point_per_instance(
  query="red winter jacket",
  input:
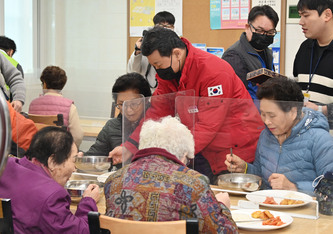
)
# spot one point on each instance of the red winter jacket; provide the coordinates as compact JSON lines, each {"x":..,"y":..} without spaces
{"x":225,"y":115}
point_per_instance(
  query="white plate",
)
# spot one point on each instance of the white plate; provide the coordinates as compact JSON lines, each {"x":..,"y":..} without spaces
{"x":239,"y":215}
{"x":102,"y":178}
{"x":278,"y":195}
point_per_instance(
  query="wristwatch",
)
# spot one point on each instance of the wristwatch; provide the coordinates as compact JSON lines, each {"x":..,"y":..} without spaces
{"x":320,"y":109}
{"x":137,"y":48}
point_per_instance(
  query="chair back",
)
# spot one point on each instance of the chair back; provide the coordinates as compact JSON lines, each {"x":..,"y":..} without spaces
{"x":100,"y":223}
{"x":47,"y":120}
{"x":6,"y":219}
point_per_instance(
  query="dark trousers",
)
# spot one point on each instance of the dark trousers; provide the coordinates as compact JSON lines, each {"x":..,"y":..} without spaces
{"x":201,"y":165}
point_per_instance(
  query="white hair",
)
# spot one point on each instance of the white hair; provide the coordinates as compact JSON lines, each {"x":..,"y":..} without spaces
{"x":168,"y":133}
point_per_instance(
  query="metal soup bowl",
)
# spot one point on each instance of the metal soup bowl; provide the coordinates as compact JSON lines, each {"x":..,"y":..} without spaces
{"x":76,"y":188}
{"x":93,"y":164}
{"x":239,"y":181}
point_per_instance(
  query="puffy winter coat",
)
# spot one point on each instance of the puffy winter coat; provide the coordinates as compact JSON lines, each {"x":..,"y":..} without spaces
{"x":304,"y":155}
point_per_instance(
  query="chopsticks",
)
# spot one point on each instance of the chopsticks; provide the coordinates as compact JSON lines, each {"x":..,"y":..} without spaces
{"x":229,"y":191}
{"x":84,"y":174}
{"x":231,"y":162}
{"x":249,"y":221}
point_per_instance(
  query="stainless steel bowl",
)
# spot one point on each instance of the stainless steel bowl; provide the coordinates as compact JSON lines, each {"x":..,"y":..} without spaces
{"x":93,"y":164}
{"x":239,"y":182}
{"x":76,"y":188}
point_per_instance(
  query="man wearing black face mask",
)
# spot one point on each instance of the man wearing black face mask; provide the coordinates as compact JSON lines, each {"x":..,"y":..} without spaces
{"x":251,"y":51}
{"x":218,"y":105}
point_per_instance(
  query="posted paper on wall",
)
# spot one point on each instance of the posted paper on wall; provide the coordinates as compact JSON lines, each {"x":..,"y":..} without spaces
{"x":142,"y":13}
{"x":228,"y":14}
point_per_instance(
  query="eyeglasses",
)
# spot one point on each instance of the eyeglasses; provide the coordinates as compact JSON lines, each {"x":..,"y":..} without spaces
{"x":271,"y":32}
{"x":131,"y":104}
{"x":169,"y":26}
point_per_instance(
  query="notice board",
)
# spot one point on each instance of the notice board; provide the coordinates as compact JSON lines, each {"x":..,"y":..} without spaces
{"x":196,"y":28}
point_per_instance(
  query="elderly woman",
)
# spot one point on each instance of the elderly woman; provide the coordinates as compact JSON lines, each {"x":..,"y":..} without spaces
{"x":52,"y":102}
{"x":157,"y":185}
{"x":295,"y":147}
{"x":35,"y":185}
{"x":127,"y":87}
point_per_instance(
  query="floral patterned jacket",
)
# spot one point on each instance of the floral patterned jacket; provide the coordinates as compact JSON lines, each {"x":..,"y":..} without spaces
{"x":156,"y":186}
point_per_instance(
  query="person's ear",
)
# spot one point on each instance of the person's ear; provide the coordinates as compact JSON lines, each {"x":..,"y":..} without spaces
{"x":184,"y":159}
{"x":51,"y":163}
{"x":248,"y":32}
{"x":293,"y":112}
{"x":177,"y":52}
{"x":327,"y":14}
{"x":10,"y":53}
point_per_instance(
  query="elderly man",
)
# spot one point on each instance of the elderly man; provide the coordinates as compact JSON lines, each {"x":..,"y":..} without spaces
{"x":157,"y":186}
{"x":251,"y":51}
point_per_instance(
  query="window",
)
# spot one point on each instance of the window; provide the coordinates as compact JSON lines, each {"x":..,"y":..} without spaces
{"x":20,"y":26}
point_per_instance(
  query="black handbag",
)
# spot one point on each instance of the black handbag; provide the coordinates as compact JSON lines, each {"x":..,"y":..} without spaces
{"x":324,"y":193}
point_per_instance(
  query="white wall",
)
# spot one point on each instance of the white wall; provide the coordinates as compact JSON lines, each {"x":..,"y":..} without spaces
{"x":294,"y":38}
{"x":88,"y":39}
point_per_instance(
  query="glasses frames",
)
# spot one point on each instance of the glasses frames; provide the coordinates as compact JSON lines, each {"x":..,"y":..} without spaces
{"x":271,"y":32}
{"x":169,"y":26}
{"x":131,"y":104}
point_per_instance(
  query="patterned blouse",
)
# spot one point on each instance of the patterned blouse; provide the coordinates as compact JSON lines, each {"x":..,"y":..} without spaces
{"x":156,"y":186}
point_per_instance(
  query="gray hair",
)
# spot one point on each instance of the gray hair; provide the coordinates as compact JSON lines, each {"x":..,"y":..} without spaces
{"x":169,"y":134}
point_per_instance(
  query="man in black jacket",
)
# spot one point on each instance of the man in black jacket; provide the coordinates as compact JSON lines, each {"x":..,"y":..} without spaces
{"x":251,"y":51}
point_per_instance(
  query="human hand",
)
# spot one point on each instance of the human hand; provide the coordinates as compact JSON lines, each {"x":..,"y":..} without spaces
{"x":93,"y":192}
{"x":120,"y":154}
{"x":138,"y":46}
{"x":17,"y":105}
{"x":224,"y":198}
{"x":311,"y":105}
{"x":280,"y":181}
{"x":235,"y":163}
{"x":80,"y":154}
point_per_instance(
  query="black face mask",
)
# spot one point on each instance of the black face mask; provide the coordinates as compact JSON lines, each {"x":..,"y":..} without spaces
{"x":261,"y":41}
{"x":168,"y":73}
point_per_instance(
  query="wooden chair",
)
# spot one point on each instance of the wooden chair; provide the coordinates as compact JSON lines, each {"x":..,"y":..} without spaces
{"x":6,"y":219}
{"x":102,"y":224}
{"x":42,"y":121}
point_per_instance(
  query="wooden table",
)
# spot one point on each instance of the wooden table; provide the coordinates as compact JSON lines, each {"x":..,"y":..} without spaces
{"x":323,"y":225}
{"x":300,"y":225}
{"x":75,"y":201}
{"x":92,"y":126}
{"x":100,"y":205}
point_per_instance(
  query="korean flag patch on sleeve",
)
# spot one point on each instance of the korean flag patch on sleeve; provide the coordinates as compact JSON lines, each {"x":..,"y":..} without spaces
{"x":215,"y":90}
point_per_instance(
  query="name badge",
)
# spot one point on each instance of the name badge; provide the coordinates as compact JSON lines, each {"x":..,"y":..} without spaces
{"x":306,"y":97}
